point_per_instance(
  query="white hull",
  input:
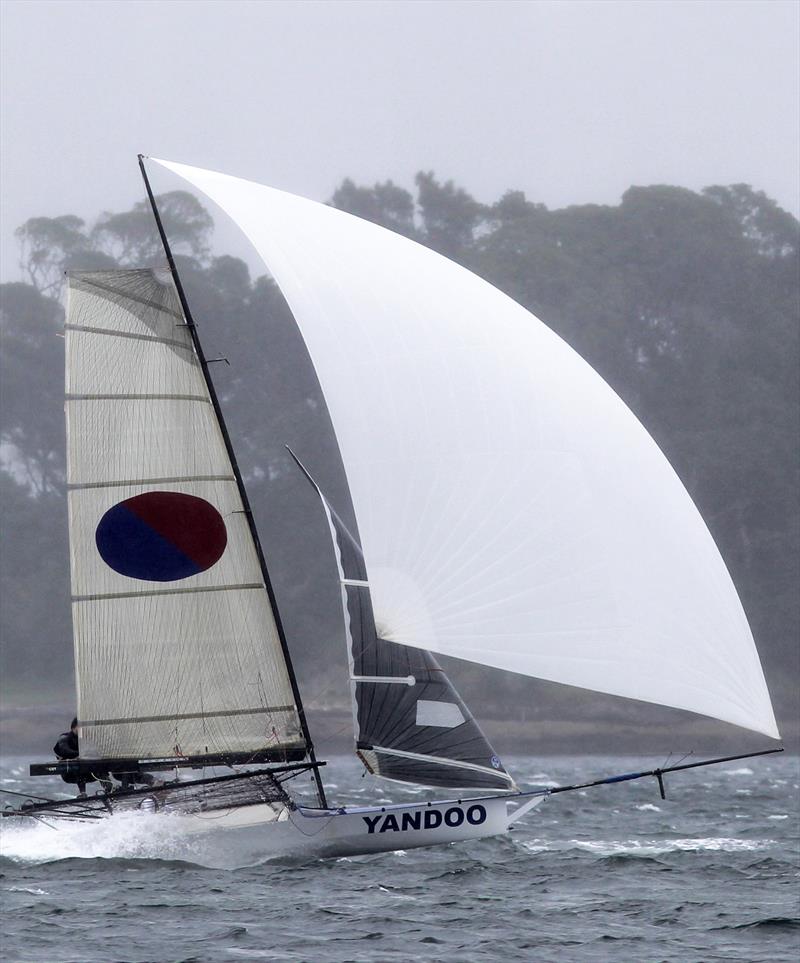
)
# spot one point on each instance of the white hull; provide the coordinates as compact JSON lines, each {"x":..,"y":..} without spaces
{"x":388,"y":828}
{"x":249,"y":835}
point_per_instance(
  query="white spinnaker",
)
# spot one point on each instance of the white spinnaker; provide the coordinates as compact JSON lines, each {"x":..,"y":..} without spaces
{"x":191,"y":666}
{"x":511,"y":508}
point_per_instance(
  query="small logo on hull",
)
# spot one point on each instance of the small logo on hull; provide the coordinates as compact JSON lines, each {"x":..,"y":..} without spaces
{"x":421,"y":819}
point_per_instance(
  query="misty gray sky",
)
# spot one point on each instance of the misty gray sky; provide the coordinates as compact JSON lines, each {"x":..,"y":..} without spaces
{"x":571,"y":102}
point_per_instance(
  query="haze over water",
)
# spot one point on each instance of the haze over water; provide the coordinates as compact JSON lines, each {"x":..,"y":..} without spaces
{"x":570,"y":102}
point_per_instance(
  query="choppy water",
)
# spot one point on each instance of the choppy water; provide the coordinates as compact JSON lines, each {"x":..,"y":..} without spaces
{"x":614,"y":873}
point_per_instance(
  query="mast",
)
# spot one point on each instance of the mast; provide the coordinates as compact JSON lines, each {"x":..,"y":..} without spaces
{"x":238,"y":476}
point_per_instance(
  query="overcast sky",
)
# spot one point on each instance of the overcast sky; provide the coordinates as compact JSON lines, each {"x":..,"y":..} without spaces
{"x":571,"y":102}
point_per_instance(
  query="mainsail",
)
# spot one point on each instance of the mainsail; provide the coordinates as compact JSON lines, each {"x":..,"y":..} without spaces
{"x":177,"y":651}
{"x":512,"y":510}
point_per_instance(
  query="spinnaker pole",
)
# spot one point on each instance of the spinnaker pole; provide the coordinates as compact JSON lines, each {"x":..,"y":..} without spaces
{"x":659,"y":774}
{"x":238,"y":476}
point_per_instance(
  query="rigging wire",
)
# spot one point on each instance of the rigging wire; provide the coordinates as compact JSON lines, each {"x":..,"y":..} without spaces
{"x":30,"y":795}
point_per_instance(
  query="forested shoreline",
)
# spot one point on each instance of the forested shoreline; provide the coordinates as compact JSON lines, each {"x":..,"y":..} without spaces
{"x":686,"y":303}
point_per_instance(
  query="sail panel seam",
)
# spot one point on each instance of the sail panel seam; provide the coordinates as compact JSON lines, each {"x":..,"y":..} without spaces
{"x":167,"y":480}
{"x":89,"y":329}
{"x":187,"y":715}
{"x":136,"y":397}
{"x":175,"y":591}
{"x":77,"y":281}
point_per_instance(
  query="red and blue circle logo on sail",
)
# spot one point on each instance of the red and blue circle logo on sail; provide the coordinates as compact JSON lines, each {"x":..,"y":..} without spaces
{"x":161,"y":536}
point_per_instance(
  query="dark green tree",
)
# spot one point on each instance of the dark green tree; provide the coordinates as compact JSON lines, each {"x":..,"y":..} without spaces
{"x":131,"y":237}
{"x":384,"y":204}
{"x":686,"y":303}
{"x":450,"y":216}
{"x":45,"y":245}
{"x":32,"y":388}
{"x":772,"y":231}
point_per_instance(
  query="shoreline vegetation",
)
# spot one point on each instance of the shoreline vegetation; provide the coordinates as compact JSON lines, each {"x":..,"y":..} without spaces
{"x":685,"y":302}
{"x":32,"y":729}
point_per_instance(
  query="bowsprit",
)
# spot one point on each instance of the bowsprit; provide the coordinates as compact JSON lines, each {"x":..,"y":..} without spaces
{"x":428,"y":818}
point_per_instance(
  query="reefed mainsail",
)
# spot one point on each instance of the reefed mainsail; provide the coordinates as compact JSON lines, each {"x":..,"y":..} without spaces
{"x":511,"y":508}
{"x":177,"y":651}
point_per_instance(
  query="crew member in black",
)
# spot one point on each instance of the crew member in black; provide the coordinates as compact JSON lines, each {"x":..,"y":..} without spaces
{"x":67,"y":748}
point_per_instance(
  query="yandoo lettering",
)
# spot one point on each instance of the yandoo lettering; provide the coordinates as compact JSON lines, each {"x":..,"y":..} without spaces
{"x":424,"y":819}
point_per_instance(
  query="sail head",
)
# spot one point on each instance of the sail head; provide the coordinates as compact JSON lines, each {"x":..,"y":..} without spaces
{"x":177,"y":651}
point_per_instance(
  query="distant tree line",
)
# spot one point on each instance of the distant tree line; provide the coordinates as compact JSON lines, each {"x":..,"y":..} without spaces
{"x":686,"y":303}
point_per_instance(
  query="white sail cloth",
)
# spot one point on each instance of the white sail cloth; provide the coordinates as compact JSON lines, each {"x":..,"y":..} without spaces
{"x":173,"y":656}
{"x":511,"y":508}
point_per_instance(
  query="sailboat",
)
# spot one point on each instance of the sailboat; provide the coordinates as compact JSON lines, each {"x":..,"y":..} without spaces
{"x":510,"y":510}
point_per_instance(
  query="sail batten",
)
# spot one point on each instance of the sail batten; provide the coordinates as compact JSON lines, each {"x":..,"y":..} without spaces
{"x":173,"y":591}
{"x":172,"y":342}
{"x":206,"y":714}
{"x":167,"y":480}
{"x":502,"y":490}
{"x":138,"y":397}
{"x":177,"y":650}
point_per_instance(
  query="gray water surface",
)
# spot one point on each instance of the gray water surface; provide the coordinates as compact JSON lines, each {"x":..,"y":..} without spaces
{"x":607,"y":874}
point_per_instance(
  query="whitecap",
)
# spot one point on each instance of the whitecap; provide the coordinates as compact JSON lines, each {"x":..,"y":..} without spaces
{"x":534,"y":845}
{"x":391,"y":893}
{"x":778,"y":816}
{"x":653,"y":847}
{"x":744,"y":771}
{"x":648,"y":808}
{"x":28,"y":889}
